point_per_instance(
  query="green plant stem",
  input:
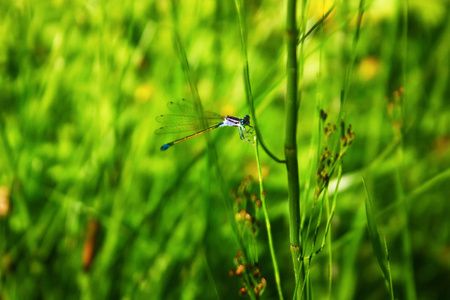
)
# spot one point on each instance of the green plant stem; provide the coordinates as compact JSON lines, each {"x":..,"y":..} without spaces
{"x":268,"y":227}
{"x":409,"y":284}
{"x":185,"y":62}
{"x":291,"y":133}
{"x":391,"y":288}
{"x":316,"y":25}
{"x":354,"y":51}
{"x":211,"y":150}
{"x":248,"y":87}
{"x":374,"y":235}
{"x":258,"y":140}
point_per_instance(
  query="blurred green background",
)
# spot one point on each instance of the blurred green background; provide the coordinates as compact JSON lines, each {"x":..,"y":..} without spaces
{"x":91,"y":208}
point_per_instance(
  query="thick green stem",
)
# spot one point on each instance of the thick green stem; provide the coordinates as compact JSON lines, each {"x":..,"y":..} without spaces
{"x":291,"y":132}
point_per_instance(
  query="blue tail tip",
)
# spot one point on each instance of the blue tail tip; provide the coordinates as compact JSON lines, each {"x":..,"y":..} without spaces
{"x":165,"y":147}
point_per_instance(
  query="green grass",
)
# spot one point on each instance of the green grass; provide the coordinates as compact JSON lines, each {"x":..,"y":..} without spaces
{"x":81,"y":171}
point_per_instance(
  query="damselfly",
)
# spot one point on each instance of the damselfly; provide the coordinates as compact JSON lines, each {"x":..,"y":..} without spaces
{"x":191,"y":121}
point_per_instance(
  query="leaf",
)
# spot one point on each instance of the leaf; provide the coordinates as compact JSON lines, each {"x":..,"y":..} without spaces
{"x":374,"y":236}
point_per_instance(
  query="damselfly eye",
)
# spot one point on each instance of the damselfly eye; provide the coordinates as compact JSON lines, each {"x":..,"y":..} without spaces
{"x":246,"y":120}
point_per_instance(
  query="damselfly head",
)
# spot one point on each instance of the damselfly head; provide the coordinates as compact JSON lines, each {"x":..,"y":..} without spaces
{"x":246,"y":120}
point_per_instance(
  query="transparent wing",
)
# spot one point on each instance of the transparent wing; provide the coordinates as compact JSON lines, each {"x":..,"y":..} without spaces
{"x":189,"y":118}
{"x":187,"y":107}
{"x":179,"y":128}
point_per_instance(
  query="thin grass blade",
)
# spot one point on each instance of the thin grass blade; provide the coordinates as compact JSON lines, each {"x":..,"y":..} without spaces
{"x":391,"y":288}
{"x":374,"y":236}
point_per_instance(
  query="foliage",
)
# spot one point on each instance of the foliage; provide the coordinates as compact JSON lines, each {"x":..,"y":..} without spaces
{"x":91,"y":207}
